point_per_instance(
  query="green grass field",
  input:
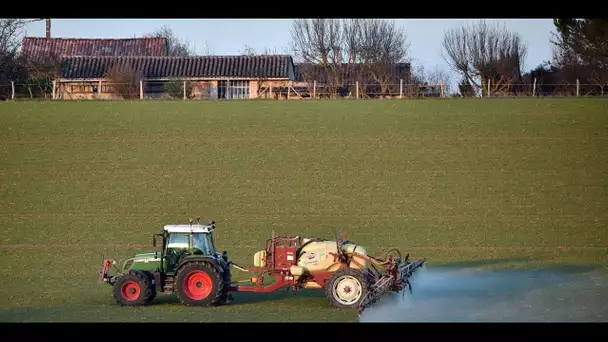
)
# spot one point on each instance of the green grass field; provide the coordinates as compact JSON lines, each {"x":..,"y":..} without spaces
{"x":521,"y":181}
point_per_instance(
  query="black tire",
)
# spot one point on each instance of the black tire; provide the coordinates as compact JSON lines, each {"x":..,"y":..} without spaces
{"x":202,"y":278}
{"x":347,"y":278}
{"x":152,"y":297}
{"x":153,"y":283}
{"x":133,"y":289}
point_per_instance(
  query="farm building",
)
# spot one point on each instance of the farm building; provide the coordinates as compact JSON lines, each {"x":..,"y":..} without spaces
{"x":205,"y":77}
{"x":87,"y":69}
{"x":381,"y":81}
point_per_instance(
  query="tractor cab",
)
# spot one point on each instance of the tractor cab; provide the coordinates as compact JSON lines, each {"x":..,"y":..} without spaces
{"x":183,"y":240}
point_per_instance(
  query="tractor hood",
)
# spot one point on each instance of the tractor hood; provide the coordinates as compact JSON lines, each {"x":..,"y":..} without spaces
{"x":146,"y":257}
{"x":142,"y":261}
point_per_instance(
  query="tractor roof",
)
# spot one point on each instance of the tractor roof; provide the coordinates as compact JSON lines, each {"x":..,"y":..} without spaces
{"x":187,"y":228}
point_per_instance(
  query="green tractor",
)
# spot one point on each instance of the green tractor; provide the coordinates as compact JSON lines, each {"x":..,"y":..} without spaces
{"x":188,"y":265}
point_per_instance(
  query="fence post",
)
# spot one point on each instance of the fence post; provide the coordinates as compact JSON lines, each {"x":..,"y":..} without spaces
{"x":12,"y":90}
{"x":141,"y":89}
{"x":357,"y":89}
{"x":314,"y":89}
{"x":53,"y":91}
{"x":99,"y":90}
{"x":401,"y":88}
{"x":489,"y":80}
{"x":441,"y":89}
{"x":185,"y":90}
{"x":534,"y":88}
{"x":577,"y":87}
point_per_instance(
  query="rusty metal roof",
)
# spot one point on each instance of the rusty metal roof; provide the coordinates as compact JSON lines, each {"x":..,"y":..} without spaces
{"x":37,"y":48}
{"x":269,"y":66}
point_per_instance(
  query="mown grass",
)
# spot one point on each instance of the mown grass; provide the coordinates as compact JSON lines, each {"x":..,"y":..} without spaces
{"x":455,"y":181}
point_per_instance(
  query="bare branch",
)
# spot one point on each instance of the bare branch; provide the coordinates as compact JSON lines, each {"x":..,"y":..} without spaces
{"x":208,"y":49}
{"x":176,"y":47}
{"x":383,"y":45}
{"x":338,"y":52}
{"x":482,"y":52}
{"x":248,"y":51}
{"x":11,"y":31}
{"x":317,"y":43}
{"x":125,"y":80}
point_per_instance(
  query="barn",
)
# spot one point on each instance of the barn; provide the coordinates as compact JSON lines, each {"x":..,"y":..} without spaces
{"x":194,"y":77}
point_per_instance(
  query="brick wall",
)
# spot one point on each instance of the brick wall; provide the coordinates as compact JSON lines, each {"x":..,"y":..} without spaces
{"x":202,"y":90}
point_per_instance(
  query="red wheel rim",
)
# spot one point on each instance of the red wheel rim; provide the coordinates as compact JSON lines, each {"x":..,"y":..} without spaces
{"x":197,"y":285}
{"x":130,"y":290}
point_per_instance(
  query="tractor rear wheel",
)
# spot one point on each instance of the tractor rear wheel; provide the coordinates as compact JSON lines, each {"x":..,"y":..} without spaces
{"x":133,"y":289}
{"x":346,"y":288}
{"x":199,"y":284}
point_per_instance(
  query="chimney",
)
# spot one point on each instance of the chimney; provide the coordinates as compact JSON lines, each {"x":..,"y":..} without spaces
{"x":48,"y":28}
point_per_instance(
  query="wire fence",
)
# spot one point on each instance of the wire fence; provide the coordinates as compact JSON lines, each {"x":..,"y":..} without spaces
{"x":279,"y":90}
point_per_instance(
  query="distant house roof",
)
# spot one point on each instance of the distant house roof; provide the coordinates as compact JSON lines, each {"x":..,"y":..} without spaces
{"x":37,"y":49}
{"x":269,"y":66}
{"x":351,"y":72}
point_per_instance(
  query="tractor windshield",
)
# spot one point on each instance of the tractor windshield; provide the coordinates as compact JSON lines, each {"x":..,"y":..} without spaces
{"x":202,"y":243}
{"x":178,"y":241}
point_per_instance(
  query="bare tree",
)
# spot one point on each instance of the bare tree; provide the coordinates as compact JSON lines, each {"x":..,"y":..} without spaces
{"x":465,"y":88}
{"x":12,"y":68}
{"x":440,"y":76}
{"x":11,"y":31}
{"x":568,"y":65}
{"x":436,"y":77}
{"x":318,"y":43}
{"x":175,"y":46}
{"x":337,"y":52}
{"x":317,"y":40}
{"x":251,"y":51}
{"x":125,"y":80}
{"x":482,"y":52}
{"x":383,"y":45}
{"x":419,"y":80}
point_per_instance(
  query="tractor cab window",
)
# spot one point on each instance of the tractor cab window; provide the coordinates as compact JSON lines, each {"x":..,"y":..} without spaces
{"x":177,"y":242}
{"x":202,"y":243}
{"x":177,"y":245}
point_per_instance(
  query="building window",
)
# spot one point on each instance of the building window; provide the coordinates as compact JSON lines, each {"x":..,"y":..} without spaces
{"x":233,"y":89}
{"x":155,"y":87}
{"x":239,"y":89}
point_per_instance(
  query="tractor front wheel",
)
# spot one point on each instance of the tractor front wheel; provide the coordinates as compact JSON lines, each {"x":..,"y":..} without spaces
{"x":346,"y":288}
{"x":199,"y":284}
{"x":133,"y":289}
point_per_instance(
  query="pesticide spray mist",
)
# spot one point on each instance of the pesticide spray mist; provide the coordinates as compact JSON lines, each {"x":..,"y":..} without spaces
{"x":444,"y":294}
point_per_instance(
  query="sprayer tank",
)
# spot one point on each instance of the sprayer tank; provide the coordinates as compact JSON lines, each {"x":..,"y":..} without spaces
{"x":320,"y":256}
